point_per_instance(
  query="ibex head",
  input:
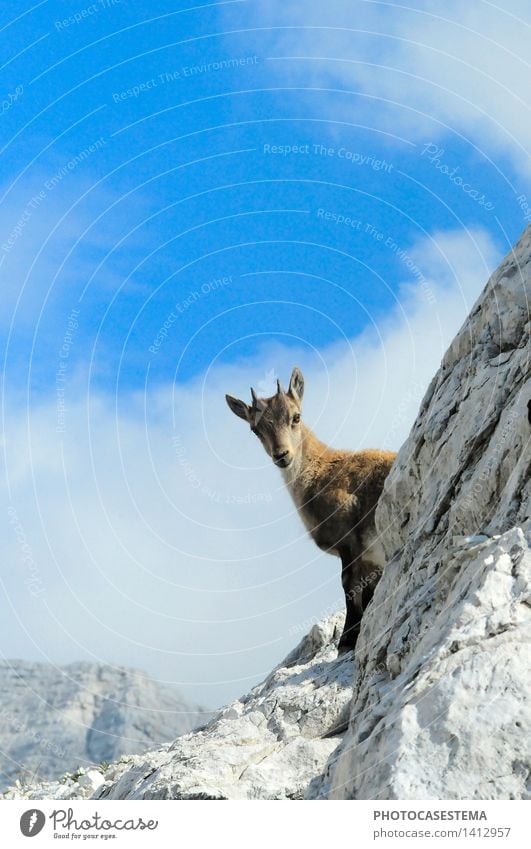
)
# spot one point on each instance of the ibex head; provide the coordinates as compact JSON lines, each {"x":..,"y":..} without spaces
{"x":277,"y":420}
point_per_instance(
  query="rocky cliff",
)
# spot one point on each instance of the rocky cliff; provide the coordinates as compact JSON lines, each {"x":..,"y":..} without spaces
{"x":442,"y":692}
{"x":54,"y":719}
{"x":436,"y":702}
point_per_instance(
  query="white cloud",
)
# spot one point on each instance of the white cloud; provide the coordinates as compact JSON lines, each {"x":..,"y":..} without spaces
{"x":426,"y":67}
{"x":156,"y":533}
{"x":52,"y":236}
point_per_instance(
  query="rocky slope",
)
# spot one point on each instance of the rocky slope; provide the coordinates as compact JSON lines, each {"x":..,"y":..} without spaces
{"x":440,"y":683}
{"x":267,"y":745}
{"x":441,"y":706}
{"x":54,"y":719}
{"x":442,"y":692}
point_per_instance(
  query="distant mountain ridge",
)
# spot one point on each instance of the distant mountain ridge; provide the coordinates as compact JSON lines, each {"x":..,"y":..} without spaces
{"x":54,"y":719}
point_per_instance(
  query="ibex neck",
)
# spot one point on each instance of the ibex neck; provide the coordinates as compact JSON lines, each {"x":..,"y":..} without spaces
{"x":312,"y":447}
{"x":310,"y":457}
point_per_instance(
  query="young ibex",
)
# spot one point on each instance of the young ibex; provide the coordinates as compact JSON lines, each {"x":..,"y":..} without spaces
{"x":335,"y":492}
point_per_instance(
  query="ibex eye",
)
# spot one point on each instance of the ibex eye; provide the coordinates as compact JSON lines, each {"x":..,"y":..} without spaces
{"x":296,"y":419}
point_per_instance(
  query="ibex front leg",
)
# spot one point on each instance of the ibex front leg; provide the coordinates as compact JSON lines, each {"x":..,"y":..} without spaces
{"x":358,"y":592}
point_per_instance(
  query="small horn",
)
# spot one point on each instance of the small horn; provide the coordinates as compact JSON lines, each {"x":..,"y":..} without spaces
{"x":253,"y":396}
{"x":279,"y":388}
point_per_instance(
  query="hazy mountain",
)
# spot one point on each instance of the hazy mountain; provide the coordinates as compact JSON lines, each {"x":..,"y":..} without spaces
{"x":54,"y":719}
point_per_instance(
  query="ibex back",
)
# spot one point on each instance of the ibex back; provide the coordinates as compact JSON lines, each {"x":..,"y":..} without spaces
{"x":335,"y":492}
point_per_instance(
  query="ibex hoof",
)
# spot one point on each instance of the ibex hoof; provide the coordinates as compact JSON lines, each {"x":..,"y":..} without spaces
{"x":344,"y":648}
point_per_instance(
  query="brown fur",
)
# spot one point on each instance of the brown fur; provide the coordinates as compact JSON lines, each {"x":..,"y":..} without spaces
{"x":335,"y":492}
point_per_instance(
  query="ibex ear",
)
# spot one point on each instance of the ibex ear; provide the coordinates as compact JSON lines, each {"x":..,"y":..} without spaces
{"x":296,"y":384}
{"x":239,"y":408}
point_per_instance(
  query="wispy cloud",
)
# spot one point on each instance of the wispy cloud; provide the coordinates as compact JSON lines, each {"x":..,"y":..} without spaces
{"x":418,"y":68}
{"x":60,"y":233}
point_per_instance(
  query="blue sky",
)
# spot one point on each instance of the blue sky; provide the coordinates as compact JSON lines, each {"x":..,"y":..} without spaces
{"x":194,"y":199}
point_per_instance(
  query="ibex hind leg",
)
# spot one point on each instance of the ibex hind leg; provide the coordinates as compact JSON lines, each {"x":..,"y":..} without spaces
{"x":358,"y":586}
